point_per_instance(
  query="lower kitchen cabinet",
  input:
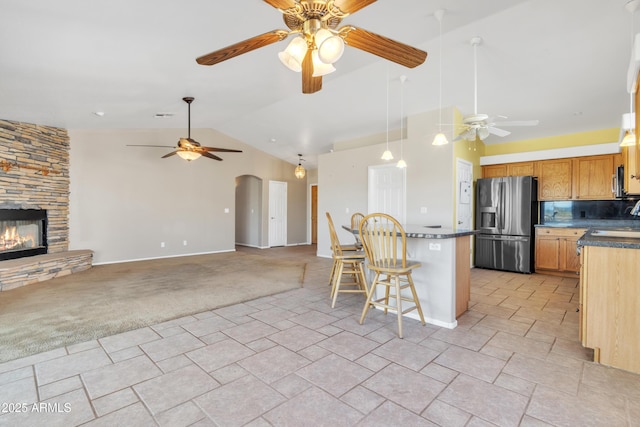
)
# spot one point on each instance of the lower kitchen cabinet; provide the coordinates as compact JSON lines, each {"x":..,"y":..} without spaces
{"x":609,"y":303}
{"x":556,"y":251}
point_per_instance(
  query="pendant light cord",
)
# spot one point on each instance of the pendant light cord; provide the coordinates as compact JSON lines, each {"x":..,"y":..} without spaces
{"x":440,"y":71}
{"x":402,"y":80}
{"x":387,"y":108}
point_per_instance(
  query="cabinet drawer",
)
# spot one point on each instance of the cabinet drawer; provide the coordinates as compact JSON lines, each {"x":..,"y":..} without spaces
{"x":560,"y":232}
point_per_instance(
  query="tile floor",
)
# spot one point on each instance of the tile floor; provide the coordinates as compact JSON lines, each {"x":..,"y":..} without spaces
{"x":291,"y":360}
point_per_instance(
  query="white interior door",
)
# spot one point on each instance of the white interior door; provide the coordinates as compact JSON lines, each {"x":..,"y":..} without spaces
{"x":387,"y":184}
{"x":277,"y":213}
{"x":464,"y":194}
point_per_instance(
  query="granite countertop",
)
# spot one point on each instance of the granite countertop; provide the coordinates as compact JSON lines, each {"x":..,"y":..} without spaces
{"x":593,"y":238}
{"x":429,"y":232}
{"x":433,"y":232}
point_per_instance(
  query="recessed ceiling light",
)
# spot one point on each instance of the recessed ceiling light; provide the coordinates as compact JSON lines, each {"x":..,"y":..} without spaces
{"x":272,"y":140}
{"x":99,"y":113}
{"x":577,"y":113}
{"x":163,"y":115}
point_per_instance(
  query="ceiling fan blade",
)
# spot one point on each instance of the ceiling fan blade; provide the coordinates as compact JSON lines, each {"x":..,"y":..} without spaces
{"x":242,"y":47}
{"x":498,"y":132}
{"x":170,"y":154}
{"x":310,"y":84}
{"x":351,"y":6}
{"x":281,"y":4}
{"x":141,"y":145}
{"x":383,"y":47}
{"x":211,"y":156}
{"x":221,"y":150}
{"x":519,"y":123}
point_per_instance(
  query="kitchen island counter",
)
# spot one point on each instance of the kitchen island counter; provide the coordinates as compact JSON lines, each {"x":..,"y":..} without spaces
{"x":609,"y":297}
{"x":624,"y":238}
{"x":443,"y":282}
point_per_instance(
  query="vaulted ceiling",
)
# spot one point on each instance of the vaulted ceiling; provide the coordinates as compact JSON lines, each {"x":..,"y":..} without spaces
{"x":561,"y":62}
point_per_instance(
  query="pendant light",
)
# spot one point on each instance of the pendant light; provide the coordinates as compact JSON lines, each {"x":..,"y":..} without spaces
{"x":387,"y":153}
{"x":629,"y":119}
{"x":401,"y":163}
{"x":440,"y":138}
{"x":299,"y":171}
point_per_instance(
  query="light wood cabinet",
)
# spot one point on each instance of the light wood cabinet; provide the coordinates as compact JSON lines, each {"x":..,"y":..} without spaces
{"x":580,"y":178}
{"x":556,"y":251}
{"x":609,"y":304}
{"x":509,"y":169}
{"x":631,"y":170}
{"x":521,"y":169}
{"x":555,"y":179}
{"x":594,"y":177}
{"x":494,"y":171}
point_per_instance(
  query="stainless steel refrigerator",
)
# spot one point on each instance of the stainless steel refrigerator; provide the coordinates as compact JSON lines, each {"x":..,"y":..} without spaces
{"x":506,"y":211}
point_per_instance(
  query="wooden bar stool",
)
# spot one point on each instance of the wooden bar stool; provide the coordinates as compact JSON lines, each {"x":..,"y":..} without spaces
{"x":346,"y":265}
{"x":356,"y":219}
{"x":385,"y":245}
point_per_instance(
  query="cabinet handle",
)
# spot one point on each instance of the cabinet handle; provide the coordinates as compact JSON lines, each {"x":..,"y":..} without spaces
{"x":614,"y":183}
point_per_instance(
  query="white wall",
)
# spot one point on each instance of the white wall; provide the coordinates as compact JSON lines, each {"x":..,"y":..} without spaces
{"x":342,"y":179}
{"x":125,"y":201}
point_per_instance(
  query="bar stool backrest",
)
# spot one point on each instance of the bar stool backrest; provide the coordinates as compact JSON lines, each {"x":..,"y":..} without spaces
{"x":384,"y":241}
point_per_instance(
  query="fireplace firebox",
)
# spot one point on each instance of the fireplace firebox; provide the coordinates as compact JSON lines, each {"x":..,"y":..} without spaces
{"x":23,"y":233}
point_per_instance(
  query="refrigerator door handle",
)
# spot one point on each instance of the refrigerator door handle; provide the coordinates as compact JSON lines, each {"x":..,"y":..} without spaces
{"x":501,"y":206}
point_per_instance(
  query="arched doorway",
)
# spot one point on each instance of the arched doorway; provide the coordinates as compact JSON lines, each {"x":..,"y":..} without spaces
{"x":249,"y":211}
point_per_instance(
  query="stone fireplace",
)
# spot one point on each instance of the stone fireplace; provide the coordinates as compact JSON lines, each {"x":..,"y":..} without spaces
{"x":34,"y":177}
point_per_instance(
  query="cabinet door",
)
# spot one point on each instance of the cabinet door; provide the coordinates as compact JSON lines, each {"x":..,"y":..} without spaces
{"x":554,"y":179}
{"x":571,"y":257}
{"x":594,"y":177}
{"x":494,"y":171}
{"x":631,"y":172}
{"x":521,"y":169}
{"x":547,"y":253}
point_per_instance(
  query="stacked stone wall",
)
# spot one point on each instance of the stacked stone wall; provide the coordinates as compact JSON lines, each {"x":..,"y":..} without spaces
{"x":34,"y":174}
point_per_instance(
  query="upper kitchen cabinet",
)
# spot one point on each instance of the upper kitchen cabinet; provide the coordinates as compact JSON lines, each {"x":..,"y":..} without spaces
{"x":594,"y":177}
{"x":522,"y":169}
{"x":555,"y":179}
{"x":509,"y":169}
{"x":631,"y":172}
{"x":494,"y":171}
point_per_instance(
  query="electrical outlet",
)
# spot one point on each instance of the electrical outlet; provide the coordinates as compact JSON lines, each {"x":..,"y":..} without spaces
{"x":226,"y":210}
{"x":162,"y":244}
{"x":435,"y":247}
{"x":423,"y":210}
{"x":184,"y":243}
{"x":347,"y":210}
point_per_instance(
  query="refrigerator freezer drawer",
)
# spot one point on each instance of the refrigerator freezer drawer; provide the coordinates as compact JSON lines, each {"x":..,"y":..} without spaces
{"x":508,"y":253}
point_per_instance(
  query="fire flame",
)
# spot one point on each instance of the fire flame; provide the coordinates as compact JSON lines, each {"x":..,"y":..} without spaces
{"x":11,"y":239}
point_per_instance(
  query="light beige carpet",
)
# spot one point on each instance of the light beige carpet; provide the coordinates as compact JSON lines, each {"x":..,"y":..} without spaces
{"x":108,"y":299}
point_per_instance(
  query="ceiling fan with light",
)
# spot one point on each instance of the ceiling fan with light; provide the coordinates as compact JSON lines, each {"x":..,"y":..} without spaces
{"x":482,"y":125}
{"x":188,"y":148}
{"x":319,"y":43}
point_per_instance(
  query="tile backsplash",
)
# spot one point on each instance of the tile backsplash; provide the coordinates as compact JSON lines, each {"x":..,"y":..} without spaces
{"x":576,"y":210}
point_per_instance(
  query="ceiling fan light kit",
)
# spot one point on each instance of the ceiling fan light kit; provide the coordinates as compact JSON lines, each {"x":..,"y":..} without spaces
{"x":319,"y":42}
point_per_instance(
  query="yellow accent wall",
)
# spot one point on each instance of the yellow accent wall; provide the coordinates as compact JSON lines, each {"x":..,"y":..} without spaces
{"x":602,"y":136}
